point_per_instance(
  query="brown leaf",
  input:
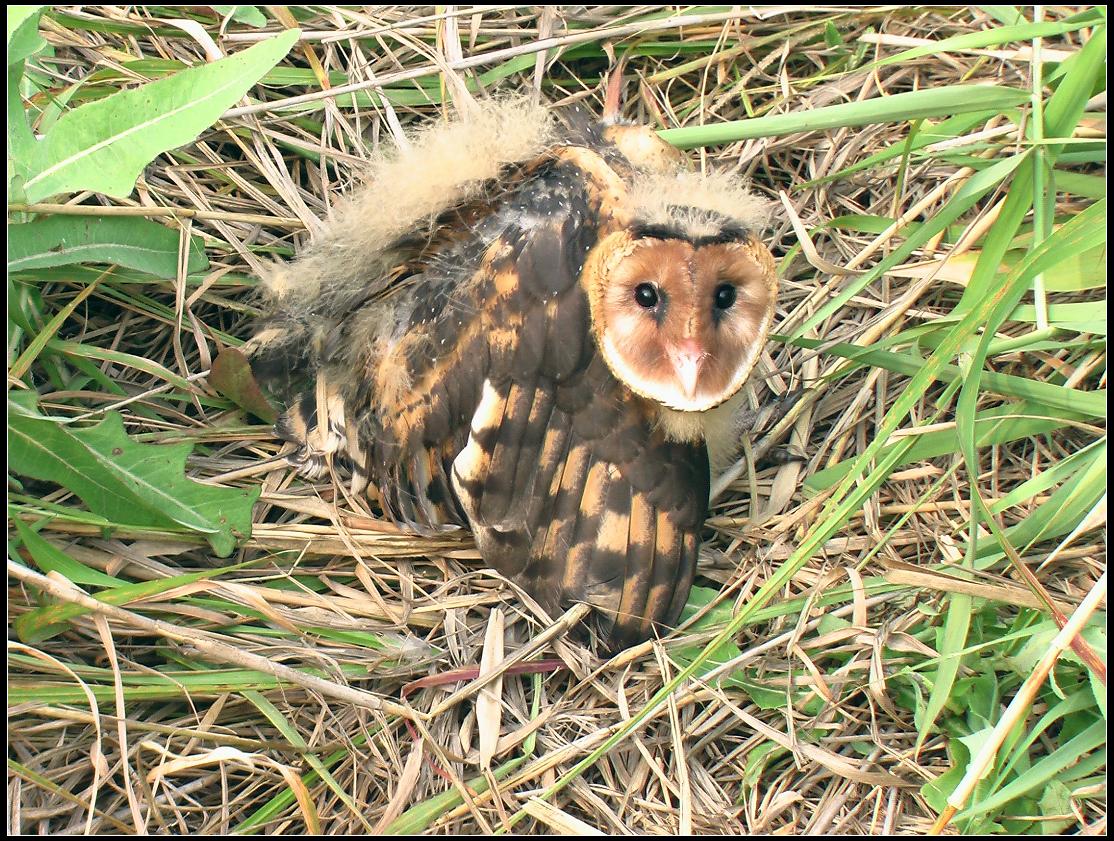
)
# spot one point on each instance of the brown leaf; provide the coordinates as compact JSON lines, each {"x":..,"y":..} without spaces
{"x":231,"y":376}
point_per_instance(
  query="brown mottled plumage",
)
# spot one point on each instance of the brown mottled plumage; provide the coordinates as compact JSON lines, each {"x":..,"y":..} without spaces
{"x":533,"y":344}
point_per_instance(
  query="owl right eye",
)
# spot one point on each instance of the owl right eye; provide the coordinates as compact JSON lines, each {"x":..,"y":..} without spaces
{"x":646,"y":295}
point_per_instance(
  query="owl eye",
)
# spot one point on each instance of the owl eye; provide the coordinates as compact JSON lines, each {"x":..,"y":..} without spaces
{"x":724,"y":296}
{"x":646,"y":295}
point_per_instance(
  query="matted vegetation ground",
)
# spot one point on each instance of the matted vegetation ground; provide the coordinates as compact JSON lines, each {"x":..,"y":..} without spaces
{"x":865,"y":613}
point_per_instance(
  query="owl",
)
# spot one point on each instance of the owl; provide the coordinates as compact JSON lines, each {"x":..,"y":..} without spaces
{"x":535,"y":327}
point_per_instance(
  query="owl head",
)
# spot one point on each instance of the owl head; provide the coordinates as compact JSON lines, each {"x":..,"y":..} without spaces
{"x":682,"y":297}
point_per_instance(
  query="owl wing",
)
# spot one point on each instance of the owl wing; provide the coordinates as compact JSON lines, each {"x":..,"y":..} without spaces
{"x":569,"y":488}
{"x":574,"y":497}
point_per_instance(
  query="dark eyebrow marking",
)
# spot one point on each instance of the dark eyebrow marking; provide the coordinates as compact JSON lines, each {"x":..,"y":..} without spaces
{"x":647,"y":231}
{"x":729,"y":233}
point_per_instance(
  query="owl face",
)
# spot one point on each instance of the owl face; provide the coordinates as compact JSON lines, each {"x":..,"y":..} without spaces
{"x":679,"y":319}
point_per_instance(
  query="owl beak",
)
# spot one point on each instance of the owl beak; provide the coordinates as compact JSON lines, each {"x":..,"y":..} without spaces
{"x":687,"y":357}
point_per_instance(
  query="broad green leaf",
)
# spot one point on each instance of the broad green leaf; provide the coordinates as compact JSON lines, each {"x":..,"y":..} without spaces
{"x":23,"y":32}
{"x":1083,"y":312}
{"x":21,"y":141}
{"x":1009,"y":15}
{"x":104,"y":145}
{"x":931,"y":102}
{"x":758,"y":758}
{"x":1056,"y":801}
{"x":935,"y":792}
{"x":1080,"y":184}
{"x":130,"y":483}
{"x":243,"y":14}
{"x":128,"y":241}
{"x":953,"y":637}
{"x":120,"y":275}
{"x":1072,"y":272}
{"x":1074,"y":752}
{"x":1069,"y":100}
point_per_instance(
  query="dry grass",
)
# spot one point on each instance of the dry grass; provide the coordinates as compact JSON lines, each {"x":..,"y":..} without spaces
{"x":339,"y":597}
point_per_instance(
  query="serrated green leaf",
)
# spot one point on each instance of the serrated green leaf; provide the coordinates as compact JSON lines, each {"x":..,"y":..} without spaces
{"x":23,"y":32}
{"x":130,"y":483}
{"x":104,"y":145}
{"x":132,"y":242}
{"x":1098,"y":689}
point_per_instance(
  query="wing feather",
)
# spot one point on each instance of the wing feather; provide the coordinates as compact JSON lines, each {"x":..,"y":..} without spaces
{"x":641,"y":548}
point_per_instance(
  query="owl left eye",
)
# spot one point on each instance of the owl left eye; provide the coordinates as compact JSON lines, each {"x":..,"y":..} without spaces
{"x":724,"y":296}
{"x":646,"y":295}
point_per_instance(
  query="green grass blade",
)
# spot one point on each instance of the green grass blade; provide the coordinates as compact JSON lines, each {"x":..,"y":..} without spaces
{"x":291,"y":735}
{"x":901,"y":107}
